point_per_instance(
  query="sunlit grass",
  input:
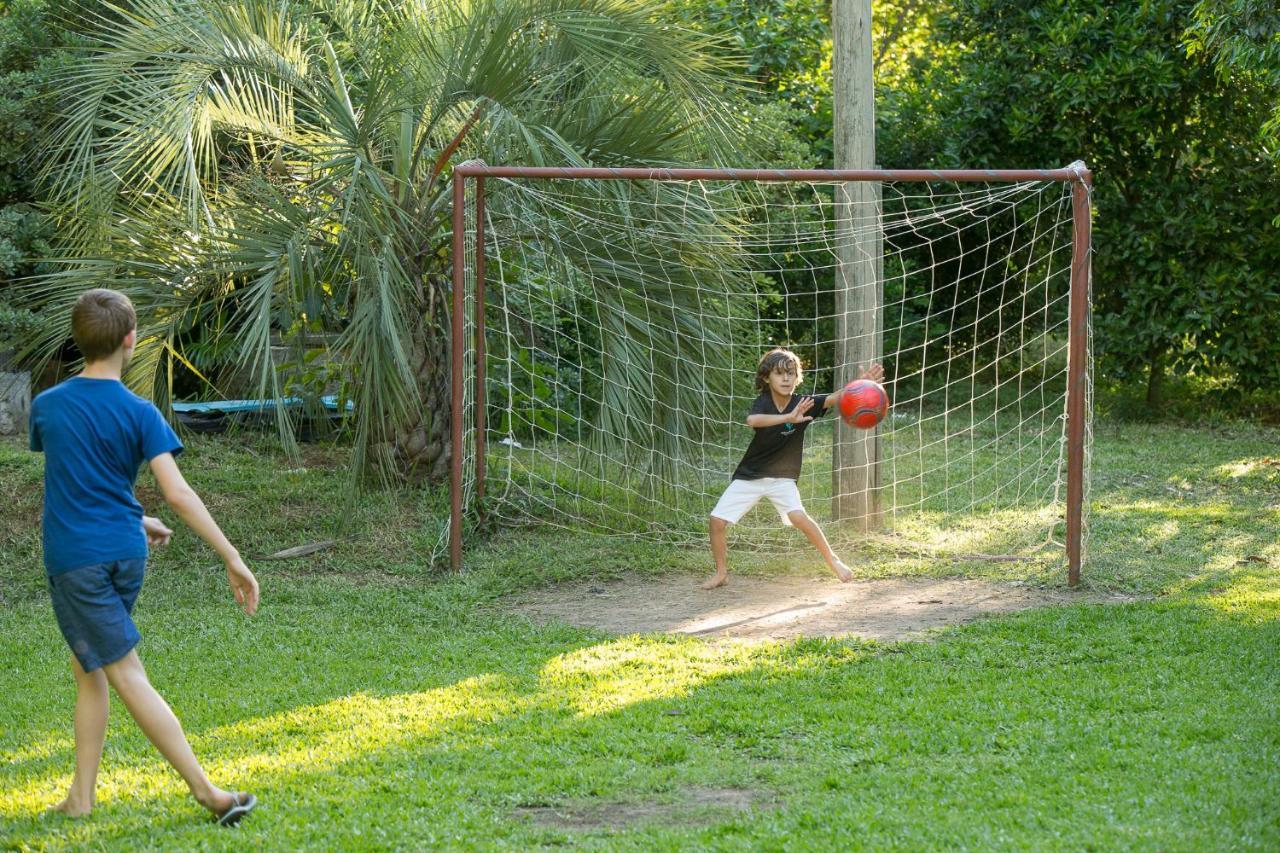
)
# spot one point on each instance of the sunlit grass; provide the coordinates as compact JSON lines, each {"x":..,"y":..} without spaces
{"x":1266,"y":469}
{"x":374,"y":703}
{"x":607,"y":677}
{"x":1252,"y":598}
{"x":991,"y":734}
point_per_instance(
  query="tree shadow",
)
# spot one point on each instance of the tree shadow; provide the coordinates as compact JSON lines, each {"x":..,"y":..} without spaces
{"x":1046,"y":727}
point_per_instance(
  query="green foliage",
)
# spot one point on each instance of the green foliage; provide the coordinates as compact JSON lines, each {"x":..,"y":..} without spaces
{"x":25,"y":235}
{"x":1186,"y":252}
{"x":16,"y":326}
{"x":30,"y":57}
{"x":1243,"y":37}
{"x":28,"y":60}
{"x":1183,"y":271}
{"x":786,"y":47}
{"x":530,"y":397}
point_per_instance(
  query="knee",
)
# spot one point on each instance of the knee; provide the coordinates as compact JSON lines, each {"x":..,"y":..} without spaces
{"x":95,"y":680}
{"x":798,"y":517}
{"x":126,"y":674}
{"x":718,"y":525}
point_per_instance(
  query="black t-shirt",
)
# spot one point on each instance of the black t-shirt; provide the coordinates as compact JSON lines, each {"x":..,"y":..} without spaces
{"x":776,"y":451}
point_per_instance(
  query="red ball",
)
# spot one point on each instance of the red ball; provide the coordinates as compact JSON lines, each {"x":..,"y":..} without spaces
{"x":864,"y":403}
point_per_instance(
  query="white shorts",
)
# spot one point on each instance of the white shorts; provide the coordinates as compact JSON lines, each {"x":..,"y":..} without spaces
{"x":742,"y":495}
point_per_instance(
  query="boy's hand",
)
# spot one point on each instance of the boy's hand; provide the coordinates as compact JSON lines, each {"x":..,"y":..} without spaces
{"x":243,"y":584}
{"x":797,"y":415}
{"x":157,"y":533}
{"x":875,"y":373}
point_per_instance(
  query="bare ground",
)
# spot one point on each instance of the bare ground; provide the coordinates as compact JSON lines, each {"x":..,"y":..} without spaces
{"x":691,"y":807}
{"x":776,"y":608}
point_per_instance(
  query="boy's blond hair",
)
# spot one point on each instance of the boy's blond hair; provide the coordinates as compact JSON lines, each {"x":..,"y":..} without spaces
{"x":774,"y":359}
{"x":100,"y":321}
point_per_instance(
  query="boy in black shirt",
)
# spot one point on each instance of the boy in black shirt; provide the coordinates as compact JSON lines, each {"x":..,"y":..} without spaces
{"x":771,"y":465}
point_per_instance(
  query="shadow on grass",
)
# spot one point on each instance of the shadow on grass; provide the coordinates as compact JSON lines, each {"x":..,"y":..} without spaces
{"x":1049,"y":727}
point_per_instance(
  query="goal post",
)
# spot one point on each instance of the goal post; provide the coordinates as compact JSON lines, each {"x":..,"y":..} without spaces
{"x":855,"y":466}
{"x":674,"y":276}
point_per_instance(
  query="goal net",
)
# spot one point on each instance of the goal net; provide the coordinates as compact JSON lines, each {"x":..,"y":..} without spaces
{"x":605,"y":382}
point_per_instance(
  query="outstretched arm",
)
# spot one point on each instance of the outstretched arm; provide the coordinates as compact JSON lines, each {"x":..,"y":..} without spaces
{"x":183,"y":500}
{"x":798,"y":415}
{"x":875,"y":373}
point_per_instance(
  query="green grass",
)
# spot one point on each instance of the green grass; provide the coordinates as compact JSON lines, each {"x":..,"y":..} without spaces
{"x":943,"y":501}
{"x":375,"y":702}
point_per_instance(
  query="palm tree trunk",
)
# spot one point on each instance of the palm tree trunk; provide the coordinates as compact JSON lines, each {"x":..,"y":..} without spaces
{"x":422,"y":449}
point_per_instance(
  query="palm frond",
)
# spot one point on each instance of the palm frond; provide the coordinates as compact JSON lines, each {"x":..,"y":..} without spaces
{"x":242,"y":160}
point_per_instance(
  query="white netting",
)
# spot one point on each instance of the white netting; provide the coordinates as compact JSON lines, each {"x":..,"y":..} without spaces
{"x":625,"y":320}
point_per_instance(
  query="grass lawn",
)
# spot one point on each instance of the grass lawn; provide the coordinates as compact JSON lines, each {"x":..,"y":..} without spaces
{"x":376,"y":703}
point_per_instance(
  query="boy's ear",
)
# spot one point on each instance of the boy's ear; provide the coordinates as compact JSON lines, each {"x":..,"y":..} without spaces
{"x":130,"y":340}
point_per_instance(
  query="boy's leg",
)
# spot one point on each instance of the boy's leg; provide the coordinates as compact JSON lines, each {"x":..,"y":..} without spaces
{"x":158,"y":723}
{"x":737,"y":501}
{"x":719,"y":553}
{"x":92,"y":705}
{"x":801,"y":520}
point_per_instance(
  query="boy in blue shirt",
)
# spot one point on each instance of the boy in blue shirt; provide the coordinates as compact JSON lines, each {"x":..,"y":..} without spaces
{"x":95,"y":434}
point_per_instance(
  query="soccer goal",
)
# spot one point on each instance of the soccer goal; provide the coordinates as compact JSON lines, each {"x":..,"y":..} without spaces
{"x":607,"y":324}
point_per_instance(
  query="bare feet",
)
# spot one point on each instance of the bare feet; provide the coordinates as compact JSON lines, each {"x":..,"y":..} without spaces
{"x":217,"y":800}
{"x":70,"y":807}
{"x":842,"y":571}
{"x":720,"y":578}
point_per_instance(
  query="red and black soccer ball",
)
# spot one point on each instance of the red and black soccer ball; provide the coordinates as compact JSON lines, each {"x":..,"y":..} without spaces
{"x":864,"y":403}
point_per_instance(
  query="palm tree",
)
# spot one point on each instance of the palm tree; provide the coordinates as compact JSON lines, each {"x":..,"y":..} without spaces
{"x":268,"y":166}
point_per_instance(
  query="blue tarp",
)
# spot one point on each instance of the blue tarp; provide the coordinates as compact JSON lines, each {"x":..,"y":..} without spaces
{"x":229,"y":407}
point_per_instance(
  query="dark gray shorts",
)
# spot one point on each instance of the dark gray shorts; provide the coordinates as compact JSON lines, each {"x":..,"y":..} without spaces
{"x":93,"y":605}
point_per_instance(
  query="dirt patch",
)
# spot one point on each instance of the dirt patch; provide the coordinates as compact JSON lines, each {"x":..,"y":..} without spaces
{"x":755,"y":608}
{"x":690,"y":807}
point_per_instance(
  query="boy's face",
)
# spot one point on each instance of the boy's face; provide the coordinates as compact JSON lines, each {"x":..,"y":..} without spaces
{"x":783,"y":381}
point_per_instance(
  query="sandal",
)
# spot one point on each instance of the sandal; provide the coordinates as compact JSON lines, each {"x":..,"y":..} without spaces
{"x":241,"y":805}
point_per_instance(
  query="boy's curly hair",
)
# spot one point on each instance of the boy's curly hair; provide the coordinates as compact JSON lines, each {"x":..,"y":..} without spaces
{"x":785,"y":359}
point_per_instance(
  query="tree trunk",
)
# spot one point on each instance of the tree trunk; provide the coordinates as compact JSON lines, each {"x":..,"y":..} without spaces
{"x":855,"y":474}
{"x":1155,"y":379}
{"x":422,"y":449}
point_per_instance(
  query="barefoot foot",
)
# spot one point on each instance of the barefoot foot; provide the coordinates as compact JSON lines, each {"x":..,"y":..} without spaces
{"x":841,"y":571}
{"x":719,"y":579}
{"x":70,"y":807}
{"x":217,"y":800}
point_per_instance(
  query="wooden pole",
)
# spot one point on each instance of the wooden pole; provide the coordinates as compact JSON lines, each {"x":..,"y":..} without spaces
{"x":855,"y":470}
{"x":1078,"y":370}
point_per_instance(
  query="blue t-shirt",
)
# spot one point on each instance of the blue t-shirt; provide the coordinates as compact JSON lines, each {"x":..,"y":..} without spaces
{"x":95,"y":434}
